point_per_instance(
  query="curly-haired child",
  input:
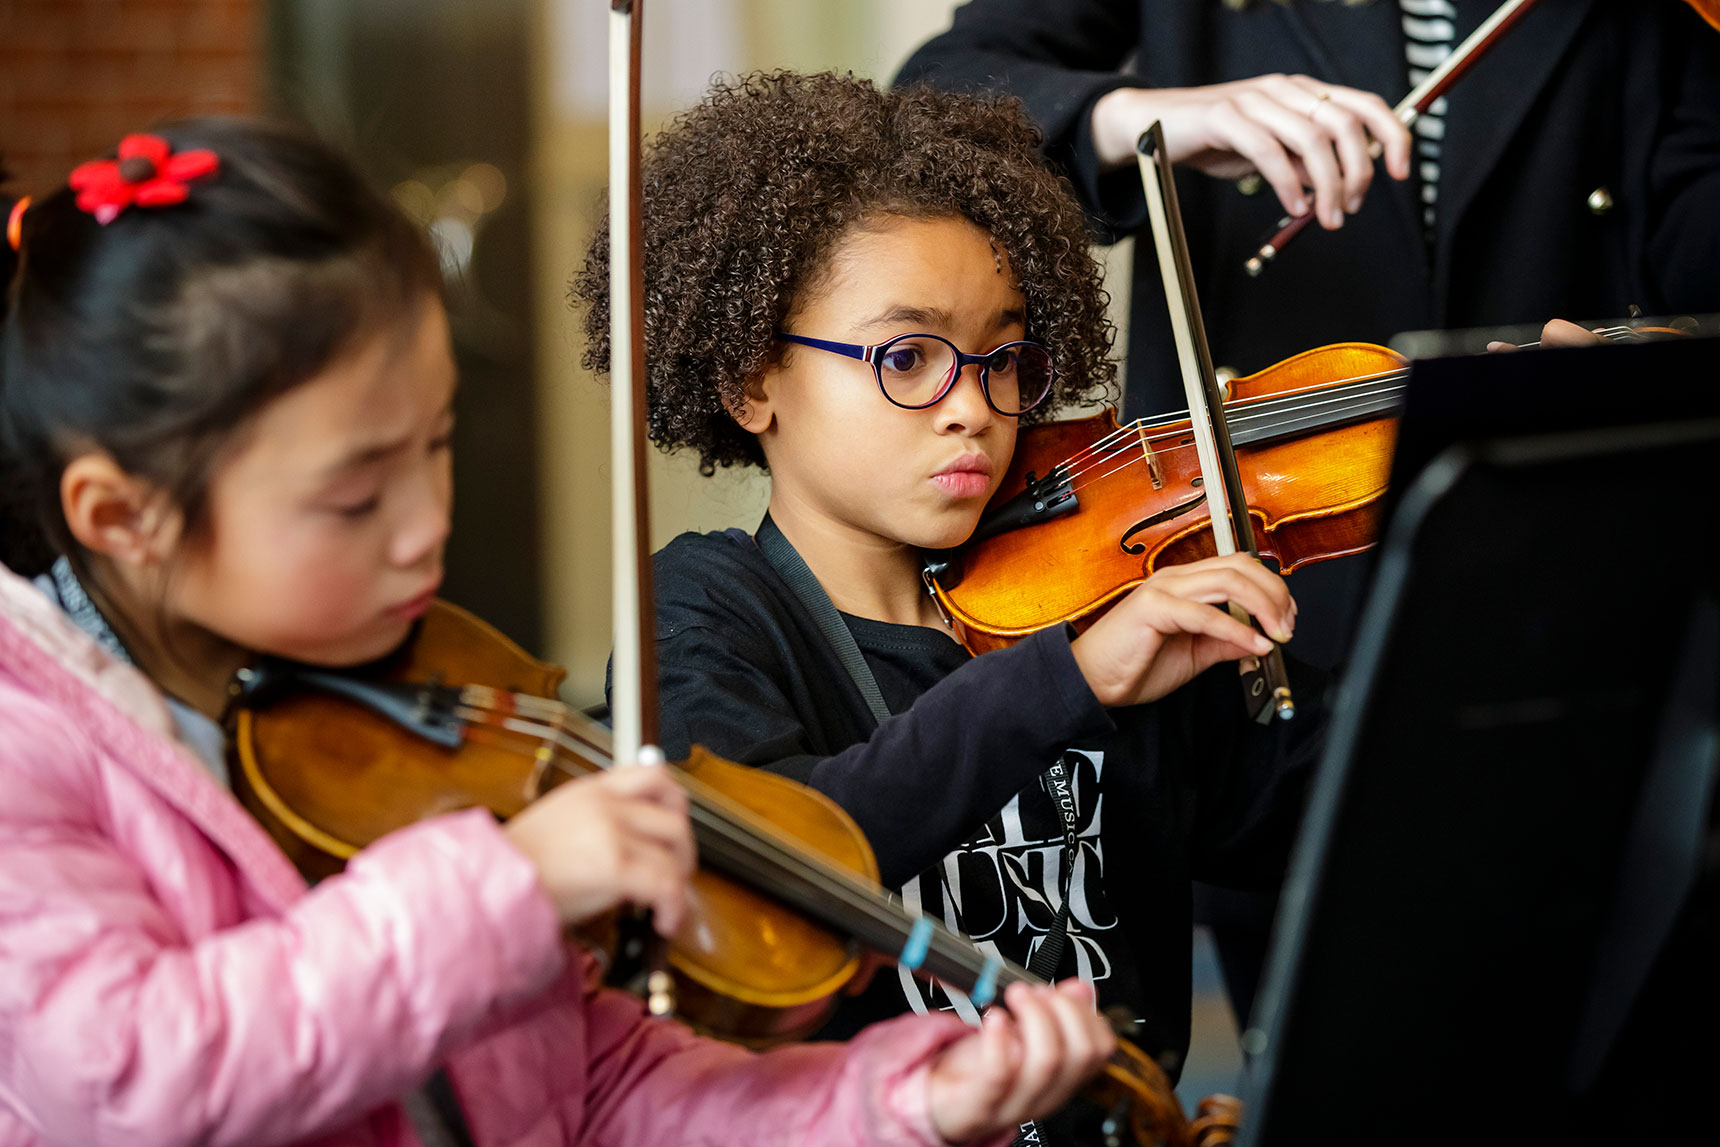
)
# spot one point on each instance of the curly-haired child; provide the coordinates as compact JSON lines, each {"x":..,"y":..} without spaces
{"x":225,"y":377}
{"x":867,"y":293}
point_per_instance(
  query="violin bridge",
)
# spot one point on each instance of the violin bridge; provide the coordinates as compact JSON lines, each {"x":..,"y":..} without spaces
{"x":1154,"y":469}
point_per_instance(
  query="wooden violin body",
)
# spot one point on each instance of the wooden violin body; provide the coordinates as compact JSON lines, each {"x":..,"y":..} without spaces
{"x":327,"y":775}
{"x":1314,"y":455}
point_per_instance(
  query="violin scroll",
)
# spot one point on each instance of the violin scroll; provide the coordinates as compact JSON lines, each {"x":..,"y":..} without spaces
{"x":1217,"y":1121}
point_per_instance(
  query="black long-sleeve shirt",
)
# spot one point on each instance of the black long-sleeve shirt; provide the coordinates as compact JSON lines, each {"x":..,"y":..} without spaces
{"x":948,"y":788}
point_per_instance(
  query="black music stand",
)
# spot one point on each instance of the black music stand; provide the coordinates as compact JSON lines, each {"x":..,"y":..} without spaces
{"x":1515,"y":800}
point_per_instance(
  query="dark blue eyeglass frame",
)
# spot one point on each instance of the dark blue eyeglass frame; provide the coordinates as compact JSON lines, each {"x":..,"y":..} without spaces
{"x":873,"y":354}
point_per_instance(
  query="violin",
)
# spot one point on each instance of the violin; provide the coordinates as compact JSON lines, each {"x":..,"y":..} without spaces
{"x":1109,"y":504}
{"x":785,"y":903}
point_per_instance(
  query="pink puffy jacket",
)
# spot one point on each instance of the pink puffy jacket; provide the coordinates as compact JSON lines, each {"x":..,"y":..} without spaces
{"x":166,"y":976}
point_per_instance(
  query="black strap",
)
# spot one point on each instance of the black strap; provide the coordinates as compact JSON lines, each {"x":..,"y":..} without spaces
{"x":786,"y":560}
{"x":1059,"y":785}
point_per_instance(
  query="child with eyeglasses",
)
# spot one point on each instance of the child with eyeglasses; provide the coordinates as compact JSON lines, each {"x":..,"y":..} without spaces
{"x":869,"y":294}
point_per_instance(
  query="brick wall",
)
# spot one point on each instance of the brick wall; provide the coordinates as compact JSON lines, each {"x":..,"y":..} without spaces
{"x":76,"y":75}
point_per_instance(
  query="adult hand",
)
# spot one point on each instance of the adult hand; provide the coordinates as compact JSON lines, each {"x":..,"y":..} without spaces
{"x":1021,"y":1064}
{"x":1173,"y":627}
{"x":1295,"y":131}
{"x":613,"y":838}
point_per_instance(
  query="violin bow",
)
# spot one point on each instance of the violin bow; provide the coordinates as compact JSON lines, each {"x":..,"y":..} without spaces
{"x":1265,"y":687}
{"x":634,"y":689}
{"x":1410,"y":109}
{"x":639,"y":962}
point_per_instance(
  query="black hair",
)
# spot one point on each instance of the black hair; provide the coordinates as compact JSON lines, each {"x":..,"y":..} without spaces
{"x":747,"y":194}
{"x":22,"y":546}
{"x":154,"y":337}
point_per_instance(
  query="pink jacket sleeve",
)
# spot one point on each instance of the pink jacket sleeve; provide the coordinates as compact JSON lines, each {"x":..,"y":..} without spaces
{"x":657,"y":1084}
{"x":115,"y":1027}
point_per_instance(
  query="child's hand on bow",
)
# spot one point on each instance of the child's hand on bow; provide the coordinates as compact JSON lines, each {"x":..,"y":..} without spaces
{"x":1023,"y":1063}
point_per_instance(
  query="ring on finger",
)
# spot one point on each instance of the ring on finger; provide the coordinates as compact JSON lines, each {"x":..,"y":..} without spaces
{"x":1315,"y":106}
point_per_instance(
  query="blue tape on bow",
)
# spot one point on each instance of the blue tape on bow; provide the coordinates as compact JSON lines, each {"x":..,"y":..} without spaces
{"x":918,"y":943}
{"x":985,"y":988}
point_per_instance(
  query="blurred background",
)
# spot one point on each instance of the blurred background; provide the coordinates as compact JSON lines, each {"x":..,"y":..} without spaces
{"x":486,"y":119}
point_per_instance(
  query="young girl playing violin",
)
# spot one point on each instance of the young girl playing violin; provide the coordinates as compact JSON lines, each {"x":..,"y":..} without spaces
{"x":226,"y":380}
{"x":869,"y":294}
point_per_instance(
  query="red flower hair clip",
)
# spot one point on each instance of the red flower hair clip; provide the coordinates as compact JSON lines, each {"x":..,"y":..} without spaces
{"x":146,"y":173}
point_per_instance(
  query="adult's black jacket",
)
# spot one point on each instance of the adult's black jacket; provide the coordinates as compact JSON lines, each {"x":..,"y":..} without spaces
{"x":1583,"y":94}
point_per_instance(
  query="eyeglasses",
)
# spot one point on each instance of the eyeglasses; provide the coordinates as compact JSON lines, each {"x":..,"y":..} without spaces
{"x":915,"y":371}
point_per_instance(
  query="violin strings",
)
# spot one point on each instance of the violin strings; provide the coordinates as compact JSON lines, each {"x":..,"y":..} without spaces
{"x":1171,"y":418}
{"x":1135,"y":460}
{"x":552,"y":732}
{"x":1250,"y":420}
{"x":757,"y":840}
{"x":1246,"y":412}
{"x":1251,"y":426}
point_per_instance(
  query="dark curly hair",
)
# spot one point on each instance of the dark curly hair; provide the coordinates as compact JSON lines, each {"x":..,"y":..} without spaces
{"x":747,"y":194}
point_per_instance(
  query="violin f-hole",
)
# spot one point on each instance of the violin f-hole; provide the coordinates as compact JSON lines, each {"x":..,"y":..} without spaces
{"x":1147,"y":523}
